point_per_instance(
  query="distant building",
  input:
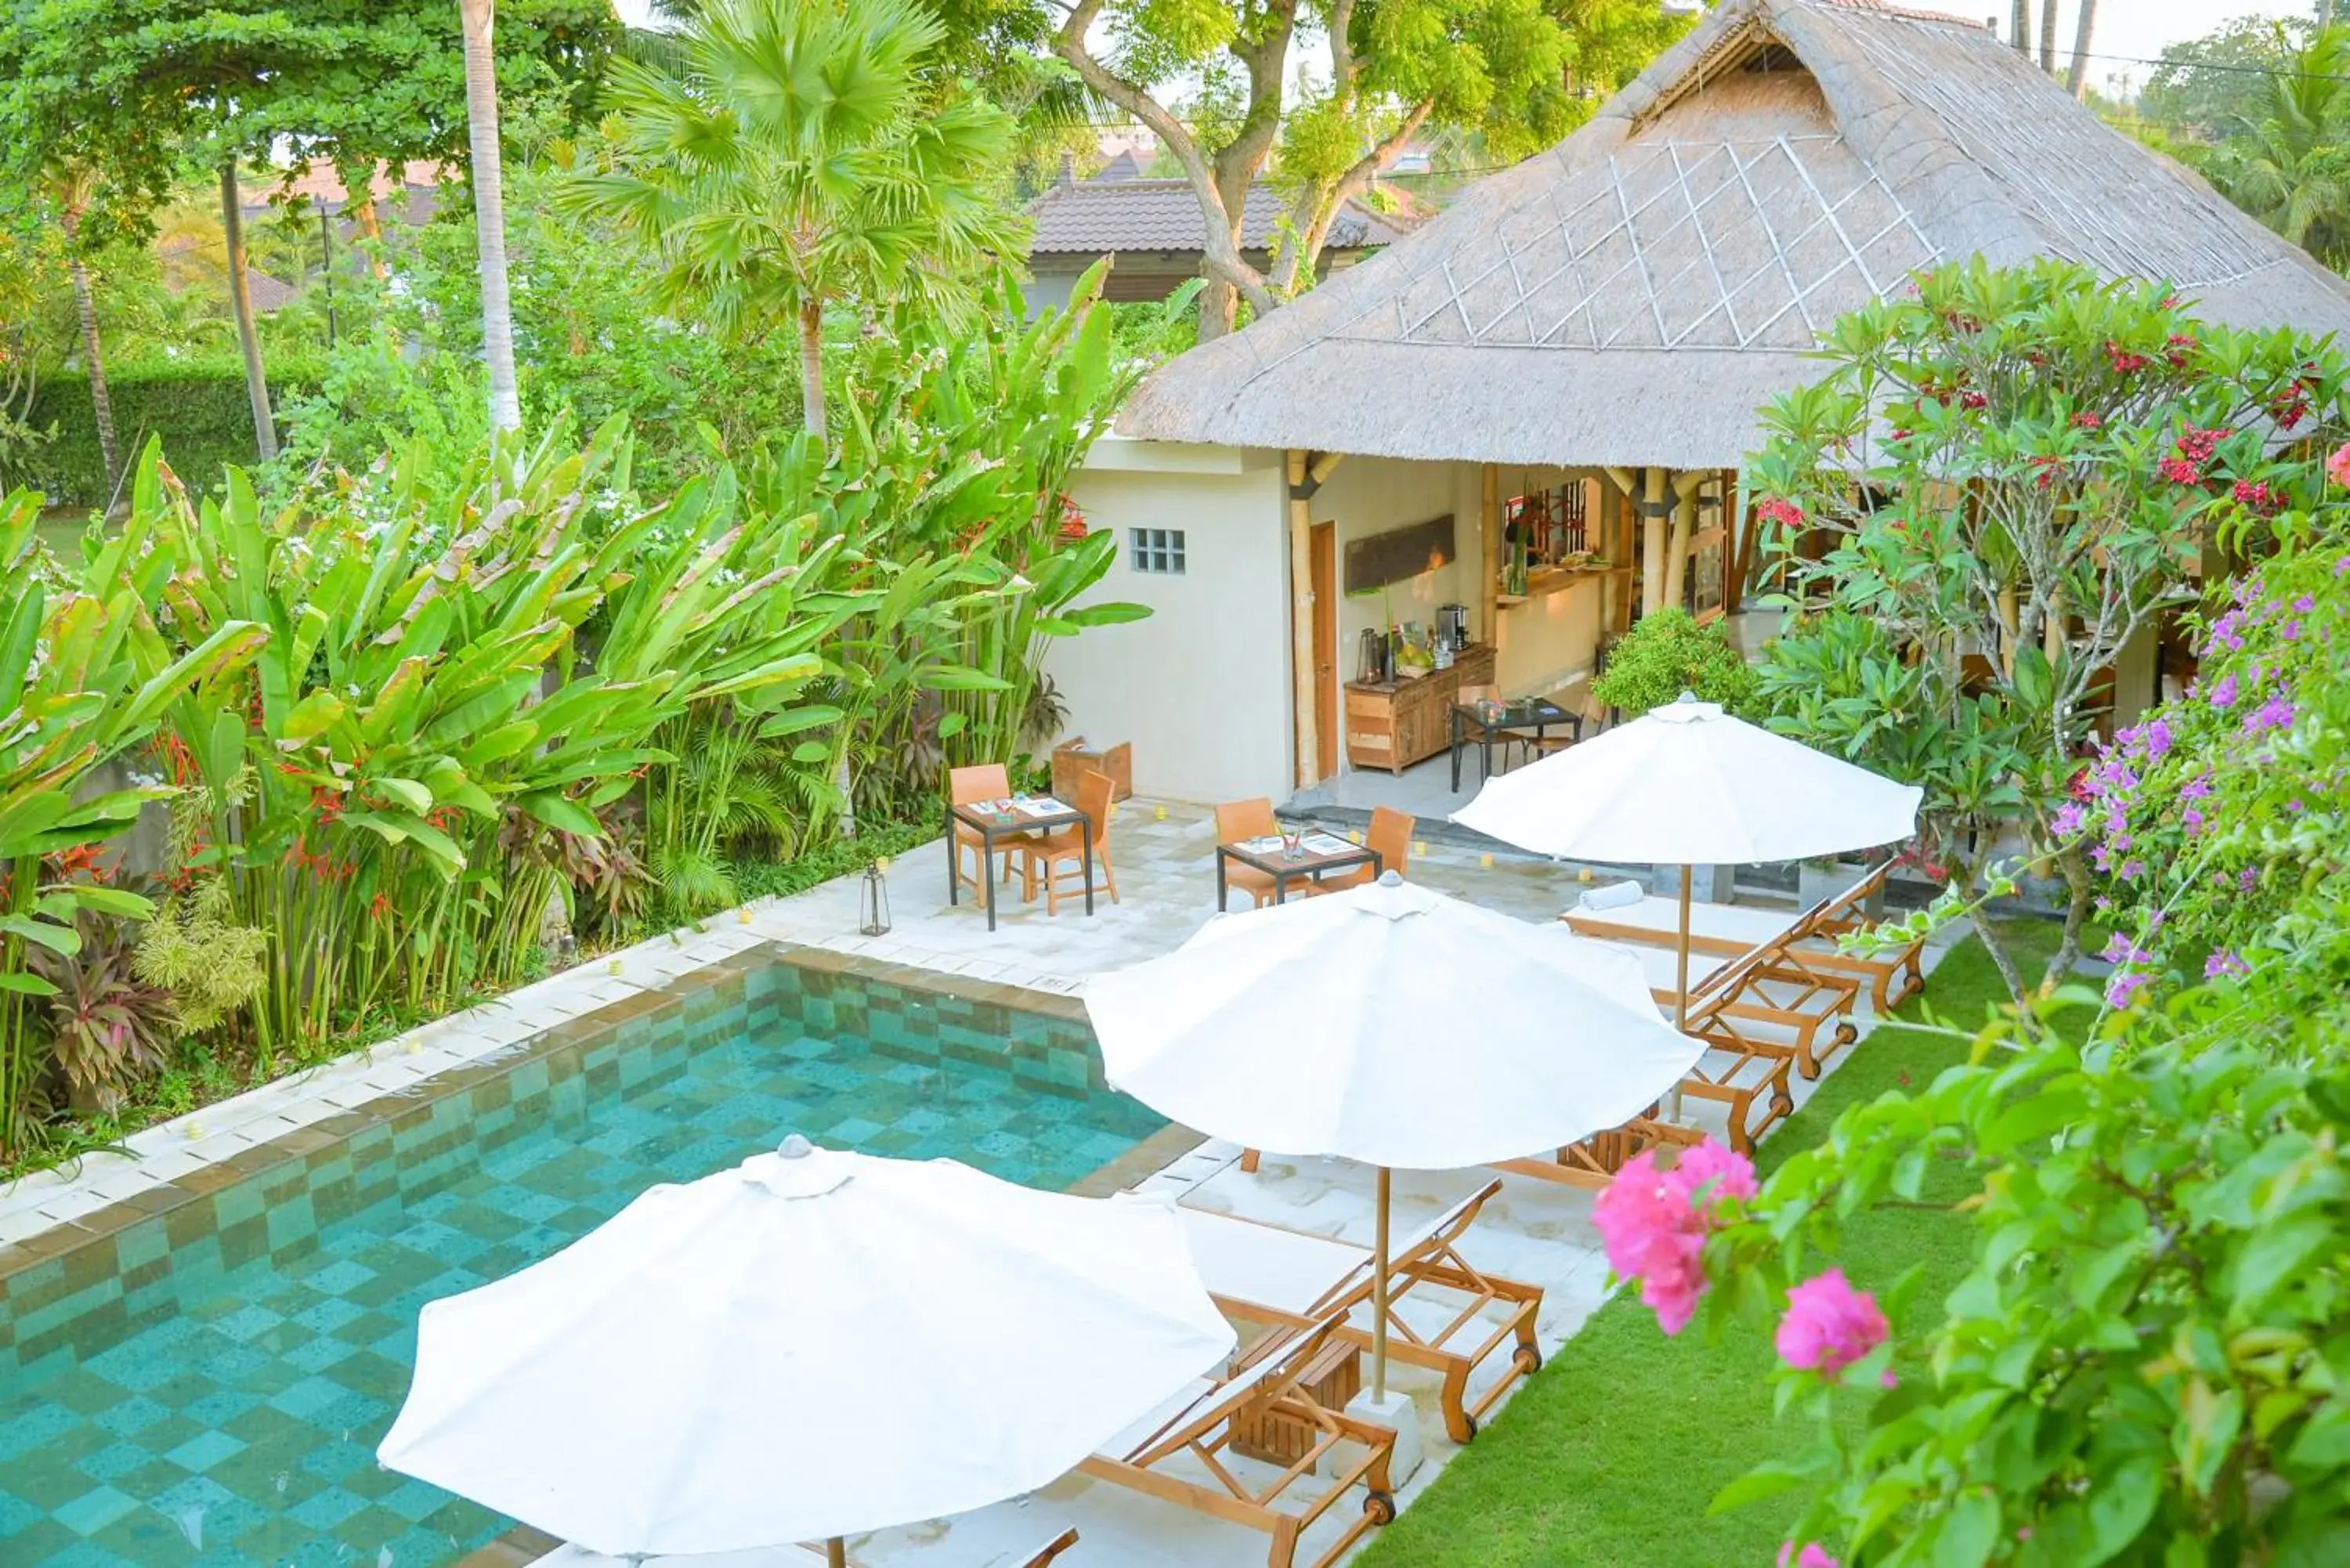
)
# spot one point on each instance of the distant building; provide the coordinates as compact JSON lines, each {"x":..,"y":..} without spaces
{"x":1157,"y":232}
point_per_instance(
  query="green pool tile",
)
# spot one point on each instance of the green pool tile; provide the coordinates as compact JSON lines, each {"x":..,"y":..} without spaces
{"x":261,"y":1334}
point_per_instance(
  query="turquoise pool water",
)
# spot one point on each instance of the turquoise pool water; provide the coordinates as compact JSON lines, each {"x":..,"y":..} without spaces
{"x":209,"y":1388}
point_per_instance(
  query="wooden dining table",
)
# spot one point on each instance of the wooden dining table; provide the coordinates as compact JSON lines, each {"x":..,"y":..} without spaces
{"x":1013,"y":817}
{"x":1318,"y":854}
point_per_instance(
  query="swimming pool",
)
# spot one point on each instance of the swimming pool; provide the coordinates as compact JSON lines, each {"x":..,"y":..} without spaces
{"x":205,"y":1385}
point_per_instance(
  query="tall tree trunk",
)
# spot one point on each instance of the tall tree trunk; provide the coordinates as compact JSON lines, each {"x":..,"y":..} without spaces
{"x":812,"y":368}
{"x":101,"y":398}
{"x":490,"y":212}
{"x":240,"y":294}
{"x":2079,"y":81}
{"x":2048,"y":37}
{"x":2019,"y":28}
{"x":359,"y":203}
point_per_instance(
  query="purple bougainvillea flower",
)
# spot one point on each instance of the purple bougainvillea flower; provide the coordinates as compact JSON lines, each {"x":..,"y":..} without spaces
{"x":2224,"y":962}
{"x":2124,"y":987}
{"x":2223,"y":695}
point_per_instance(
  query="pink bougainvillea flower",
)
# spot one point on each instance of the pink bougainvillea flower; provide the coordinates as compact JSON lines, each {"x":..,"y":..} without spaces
{"x":1829,"y":1325}
{"x":2337,"y":466}
{"x":1654,"y":1223}
{"x":1812,"y":1555}
{"x":1713,"y":1171}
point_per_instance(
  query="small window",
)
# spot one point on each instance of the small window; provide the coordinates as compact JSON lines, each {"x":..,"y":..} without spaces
{"x":1157,"y":549}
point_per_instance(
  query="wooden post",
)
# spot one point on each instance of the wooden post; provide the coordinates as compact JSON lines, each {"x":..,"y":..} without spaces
{"x":1739,"y":554}
{"x":1488,"y":534}
{"x":1652,"y":539}
{"x":1685,"y":489}
{"x":1301,"y":622}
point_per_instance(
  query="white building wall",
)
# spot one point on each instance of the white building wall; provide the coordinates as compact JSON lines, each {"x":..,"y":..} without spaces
{"x":1199,"y":688}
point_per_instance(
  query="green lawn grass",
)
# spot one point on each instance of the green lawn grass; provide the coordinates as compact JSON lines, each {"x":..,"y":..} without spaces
{"x":1611,"y":1453}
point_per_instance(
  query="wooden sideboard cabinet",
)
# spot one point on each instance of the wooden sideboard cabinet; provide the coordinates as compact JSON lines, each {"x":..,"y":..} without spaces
{"x":1393,"y":724}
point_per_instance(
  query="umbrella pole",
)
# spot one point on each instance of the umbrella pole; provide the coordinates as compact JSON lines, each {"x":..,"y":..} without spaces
{"x":1680,"y":985}
{"x":836,"y":1554}
{"x":1379,"y":1298}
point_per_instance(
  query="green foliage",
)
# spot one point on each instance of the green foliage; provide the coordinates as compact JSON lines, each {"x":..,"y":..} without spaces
{"x":591,"y":341}
{"x":1666,"y":653}
{"x":2207,"y":88}
{"x":107,"y":1026}
{"x":86,"y":672}
{"x":2059,"y":448}
{"x":2215,"y":825}
{"x":2287,"y":160}
{"x":795,"y":158}
{"x":197,"y":409}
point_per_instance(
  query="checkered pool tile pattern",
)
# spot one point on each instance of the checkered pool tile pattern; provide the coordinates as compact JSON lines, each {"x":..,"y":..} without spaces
{"x":206,"y":1386}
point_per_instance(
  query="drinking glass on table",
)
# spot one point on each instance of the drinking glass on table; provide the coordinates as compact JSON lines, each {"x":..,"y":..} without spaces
{"x":1291,"y":844}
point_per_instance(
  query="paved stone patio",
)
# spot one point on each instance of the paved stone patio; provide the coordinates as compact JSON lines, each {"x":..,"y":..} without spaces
{"x":1162,"y":857}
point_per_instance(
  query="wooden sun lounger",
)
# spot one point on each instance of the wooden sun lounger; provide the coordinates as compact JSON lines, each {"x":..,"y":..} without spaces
{"x":764,"y":1557}
{"x":1774,"y":979}
{"x":1201,"y":1422}
{"x":1265,"y":1273}
{"x":1730,"y":931}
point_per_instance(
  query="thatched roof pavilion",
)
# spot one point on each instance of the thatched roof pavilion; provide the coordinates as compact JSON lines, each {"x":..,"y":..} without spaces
{"x":1629,"y":297}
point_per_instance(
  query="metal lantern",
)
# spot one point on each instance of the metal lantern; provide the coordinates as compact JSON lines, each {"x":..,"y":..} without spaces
{"x":873,"y":903}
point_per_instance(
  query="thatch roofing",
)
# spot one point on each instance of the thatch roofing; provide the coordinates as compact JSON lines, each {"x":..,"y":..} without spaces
{"x":1631,"y":295}
{"x":1114,"y":213}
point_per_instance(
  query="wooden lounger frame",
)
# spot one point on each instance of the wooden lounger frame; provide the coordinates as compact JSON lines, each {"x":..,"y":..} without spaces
{"x":1434,"y":1262}
{"x":1266,"y":1381}
{"x":1842,"y":916}
{"x":1734,"y":995}
{"x":1595,"y":1161}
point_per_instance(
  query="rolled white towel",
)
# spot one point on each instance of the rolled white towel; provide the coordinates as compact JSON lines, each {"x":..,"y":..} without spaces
{"x":1613,"y":896}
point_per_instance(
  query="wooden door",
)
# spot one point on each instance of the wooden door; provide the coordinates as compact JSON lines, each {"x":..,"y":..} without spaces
{"x":1325,"y":553}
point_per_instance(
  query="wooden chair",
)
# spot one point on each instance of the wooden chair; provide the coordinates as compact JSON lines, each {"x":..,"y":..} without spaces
{"x":1242,"y":819}
{"x":1268,"y":1389}
{"x":1390,"y":835}
{"x":983,"y":780}
{"x":1267,"y":1275}
{"x":1054,"y":856}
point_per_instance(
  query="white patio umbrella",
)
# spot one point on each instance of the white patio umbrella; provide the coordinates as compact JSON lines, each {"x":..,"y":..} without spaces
{"x":1333,"y":1026}
{"x":1688,"y":785}
{"x":809,"y":1346}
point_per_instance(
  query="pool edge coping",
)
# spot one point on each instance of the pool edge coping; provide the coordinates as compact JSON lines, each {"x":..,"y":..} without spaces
{"x":221,"y":1167}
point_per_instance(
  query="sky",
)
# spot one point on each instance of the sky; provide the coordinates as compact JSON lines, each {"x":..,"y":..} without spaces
{"x":2129,"y":31}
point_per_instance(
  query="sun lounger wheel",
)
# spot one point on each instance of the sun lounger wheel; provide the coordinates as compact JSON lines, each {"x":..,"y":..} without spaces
{"x":1380,"y":1507}
{"x":1528,"y":1359}
{"x":1847,"y":1033}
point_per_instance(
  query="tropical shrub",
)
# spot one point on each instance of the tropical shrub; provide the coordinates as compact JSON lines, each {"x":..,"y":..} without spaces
{"x":2145,"y":1364}
{"x":85,"y":674}
{"x":2004,"y":480}
{"x":463,"y":668}
{"x":1666,"y":653}
{"x":197,"y":409}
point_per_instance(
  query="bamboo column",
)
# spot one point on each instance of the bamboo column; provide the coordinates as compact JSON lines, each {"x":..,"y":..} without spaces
{"x":1488,"y":534}
{"x":1301,"y":623}
{"x":1653,"y":509}
{"x":1685,"y":489}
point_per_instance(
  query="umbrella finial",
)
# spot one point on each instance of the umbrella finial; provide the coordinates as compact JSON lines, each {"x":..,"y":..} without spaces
{"x":1390,"y":878}
{"x":795,"y":1146}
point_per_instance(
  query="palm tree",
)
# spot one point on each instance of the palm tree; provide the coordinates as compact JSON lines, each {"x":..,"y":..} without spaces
{"x":2290,"y":169}
{"x":72,"y":189}
{"x":240,"y":298}
{"x":792,"y":156}
{"x":490,"y":212}
{"x":2078,"y":83}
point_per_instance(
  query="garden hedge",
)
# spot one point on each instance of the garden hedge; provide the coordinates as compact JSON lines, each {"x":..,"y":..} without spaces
{"x":198,"y":406}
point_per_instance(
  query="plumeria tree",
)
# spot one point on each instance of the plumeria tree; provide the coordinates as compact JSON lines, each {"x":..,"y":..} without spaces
{"x":2006,"y":479}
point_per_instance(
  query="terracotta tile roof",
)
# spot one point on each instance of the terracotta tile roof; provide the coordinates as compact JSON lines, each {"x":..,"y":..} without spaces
{"x":1091,"y":217}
